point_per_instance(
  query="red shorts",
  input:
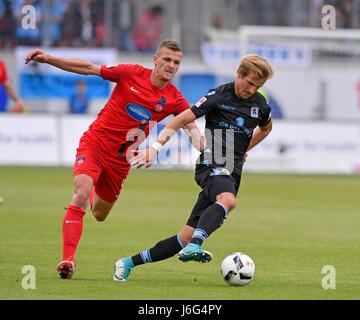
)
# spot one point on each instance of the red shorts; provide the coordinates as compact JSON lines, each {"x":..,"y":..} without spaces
{"x":108,"y":174}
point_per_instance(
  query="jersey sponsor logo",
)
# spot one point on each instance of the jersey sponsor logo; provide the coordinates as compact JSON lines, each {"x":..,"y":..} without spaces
{"x":134,"y":90}
{"x":200,"y":102}
{"x":240,"y":121}
{"x":211,"y":93}
{"x":239,"y":127}
{"x":254,"y":112}
{"x":160,"y":105}
{"x":138,"y":113}
{"x":109,"y":66}
{"x":228,"y":107}
{"x":219,"y":171}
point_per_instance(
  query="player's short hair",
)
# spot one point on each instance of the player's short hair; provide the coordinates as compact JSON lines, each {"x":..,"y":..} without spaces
{"x":169,"y":44}
{"x":257,"y":64}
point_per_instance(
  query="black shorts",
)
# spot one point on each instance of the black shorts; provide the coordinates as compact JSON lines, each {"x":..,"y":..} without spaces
{"x":213,"y":181}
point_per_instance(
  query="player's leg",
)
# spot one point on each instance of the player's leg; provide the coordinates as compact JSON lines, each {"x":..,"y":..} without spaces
{"x":73,"y":224}
{"x":86,"y":173}
{"x":166,"y":248}
{"x":222,"y":191}
{"x":213,"y":217}
{"x":107,"y":190}
{"x":73,"y":220}
{"x":100,"y":208}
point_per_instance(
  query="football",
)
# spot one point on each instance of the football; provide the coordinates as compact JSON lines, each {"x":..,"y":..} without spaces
{"x":238,"y":269}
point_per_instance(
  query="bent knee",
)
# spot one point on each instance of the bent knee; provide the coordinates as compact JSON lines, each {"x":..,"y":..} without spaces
{"x":100,"y":216}
{"x":228,"y":201}
{"x":231,"y":204}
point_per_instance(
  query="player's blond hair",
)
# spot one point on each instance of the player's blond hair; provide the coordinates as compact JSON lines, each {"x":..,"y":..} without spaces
{"x":257,"y":64}
{"x":169,"y":44}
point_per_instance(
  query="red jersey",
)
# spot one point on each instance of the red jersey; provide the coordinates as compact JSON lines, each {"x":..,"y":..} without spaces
{"x":3,"y":74}
{"x":134,"y":103}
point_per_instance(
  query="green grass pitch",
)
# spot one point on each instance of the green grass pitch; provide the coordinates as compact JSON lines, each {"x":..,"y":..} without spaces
{"x":291,"y":225}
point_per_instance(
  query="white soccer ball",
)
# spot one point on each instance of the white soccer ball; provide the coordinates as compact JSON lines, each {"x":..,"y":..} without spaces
{"x":238,"y":269}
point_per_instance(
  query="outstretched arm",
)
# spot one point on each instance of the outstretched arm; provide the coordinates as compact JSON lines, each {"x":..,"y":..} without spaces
{"x":146,"y":157}
{"x":174,"y":125}
{"x":196,"y":138}
{"x":72,"y":65}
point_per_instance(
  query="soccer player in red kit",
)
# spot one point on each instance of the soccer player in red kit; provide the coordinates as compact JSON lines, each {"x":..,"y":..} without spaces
{"x":6,"y":90}
{"x":141,"y":96}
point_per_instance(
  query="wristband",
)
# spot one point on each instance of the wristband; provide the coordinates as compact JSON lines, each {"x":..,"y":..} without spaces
{"x":157,"y":146}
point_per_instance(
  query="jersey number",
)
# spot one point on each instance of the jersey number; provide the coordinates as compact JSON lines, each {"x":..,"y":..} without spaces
{"x":132,"y":139}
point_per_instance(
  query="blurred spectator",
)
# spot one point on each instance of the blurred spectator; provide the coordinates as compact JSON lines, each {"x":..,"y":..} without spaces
{"x":148,"y":29}
{"x":87,"y":26}
{"x":123,"y":22}
{"x":7,"y":90}
{"x":214,"y":29}
{"x":100,"y":32}
{"x":99,"y":22}
{"x":79,"y":23}
{"x":27,"y":36}
{"x":216,"y":32}
{"x":79,"y":102}
{"x":53,"y":11}
{"x":70,"y":25}
{"x":344,"y":11}
{"x":7,"y":25}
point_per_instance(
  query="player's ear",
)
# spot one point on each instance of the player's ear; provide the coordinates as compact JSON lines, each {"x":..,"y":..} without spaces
{"x":154,"y":58}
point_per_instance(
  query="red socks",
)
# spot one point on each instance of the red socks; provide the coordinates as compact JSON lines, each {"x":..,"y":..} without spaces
{"x":72,"y":229}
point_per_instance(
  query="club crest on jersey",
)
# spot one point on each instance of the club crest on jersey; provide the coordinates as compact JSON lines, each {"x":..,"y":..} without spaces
{"x":254,"y":112}
{"x":160,"y":105}
{"x":80,"y":160}
{"x":200,"y":102}
{"x":138,"y":113}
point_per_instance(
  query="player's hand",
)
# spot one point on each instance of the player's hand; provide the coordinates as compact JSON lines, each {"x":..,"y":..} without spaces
{"x":19,"y":106}
{"x":142,"y":158}
{"x":36,"y":55}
